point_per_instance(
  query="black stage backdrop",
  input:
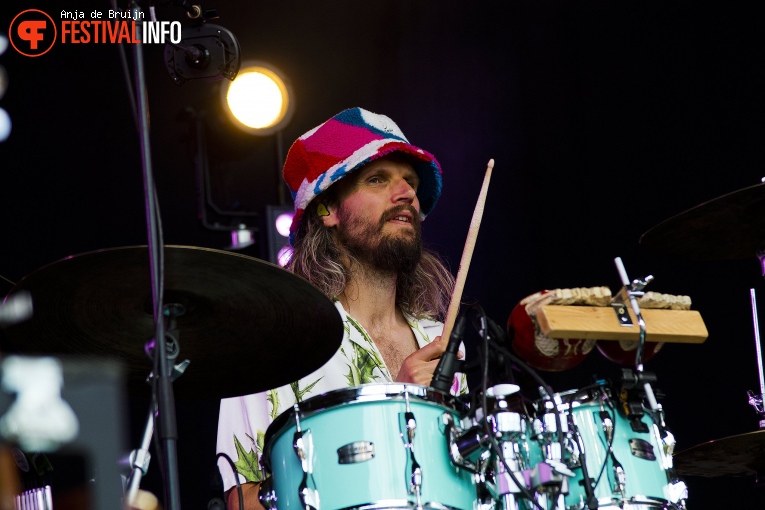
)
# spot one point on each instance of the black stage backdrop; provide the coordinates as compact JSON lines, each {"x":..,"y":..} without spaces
{"x":604,"y":119}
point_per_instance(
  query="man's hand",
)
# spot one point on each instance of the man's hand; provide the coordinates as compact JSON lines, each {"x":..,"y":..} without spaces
{"x":419,"y":366}
{"x":249,"y":495}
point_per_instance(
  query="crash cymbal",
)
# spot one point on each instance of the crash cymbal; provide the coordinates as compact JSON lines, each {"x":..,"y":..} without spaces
{"x":740,"y":455}
{"x":247,"y":325}
{"x":728,"y":227}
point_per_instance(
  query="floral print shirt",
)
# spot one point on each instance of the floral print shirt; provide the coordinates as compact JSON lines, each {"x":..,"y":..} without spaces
{"x":243,"y":421}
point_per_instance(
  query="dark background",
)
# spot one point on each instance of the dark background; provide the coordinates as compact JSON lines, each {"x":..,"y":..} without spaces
{"x":604,"y":120}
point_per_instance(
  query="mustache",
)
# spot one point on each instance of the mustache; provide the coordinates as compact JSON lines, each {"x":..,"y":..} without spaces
{"x":395,"y":211}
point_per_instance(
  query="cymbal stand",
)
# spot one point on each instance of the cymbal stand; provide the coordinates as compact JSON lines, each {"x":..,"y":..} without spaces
{"x":756,"y":401}
{"x":139,"y":459}
{"x":630,"y":292}
{"x":165,"y":400}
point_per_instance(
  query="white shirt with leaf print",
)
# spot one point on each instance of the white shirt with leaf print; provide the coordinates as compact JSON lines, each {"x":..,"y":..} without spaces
{"x":243,"y":421}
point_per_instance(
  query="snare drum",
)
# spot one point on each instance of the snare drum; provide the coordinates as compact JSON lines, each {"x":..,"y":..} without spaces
{"x":375,"y":446}
{"x":634,"y":474}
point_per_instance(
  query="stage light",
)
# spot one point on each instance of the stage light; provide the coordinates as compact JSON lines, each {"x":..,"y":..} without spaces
{"x":283,"y":223}
{"x":279,"y":219}
{"x":206,"y":52}
{"x":284,"y":255}
{"x":259,"y":101}
{"x":5,"y":125}
{"x":241,"y":238}
{"x":5,"y":119}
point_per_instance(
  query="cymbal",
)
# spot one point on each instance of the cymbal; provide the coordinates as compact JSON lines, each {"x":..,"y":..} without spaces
{"x":731,"y":226}
{"x":740,"y":455}
{"x":248,"y":325}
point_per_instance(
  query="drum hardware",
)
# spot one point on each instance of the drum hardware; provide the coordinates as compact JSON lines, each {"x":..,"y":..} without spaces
{"x":632,"y":395}
{"x":413,"y":473}
{"x":25,"y":480}
{"x":302,"y":444}
{"x":550,"y":476}
{"x":739,"y":455}
{"x":614,"y":465}
{"x":517,"y":474}
{"x":266,"y":495}
{"x":507,"y":469}
{"x":756,"y":401}
{"x":466,"y":444}
{"x":139,"y":459}
{"x":35,"y":499}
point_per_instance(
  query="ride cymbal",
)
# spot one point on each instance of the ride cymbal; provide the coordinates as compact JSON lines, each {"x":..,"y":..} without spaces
{"x":740,"y":455}
{"x":247,"y":325}
{"x":728,"y":227}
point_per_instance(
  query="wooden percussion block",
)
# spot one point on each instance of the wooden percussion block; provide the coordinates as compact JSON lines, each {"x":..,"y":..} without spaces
{"x":601,"y":323}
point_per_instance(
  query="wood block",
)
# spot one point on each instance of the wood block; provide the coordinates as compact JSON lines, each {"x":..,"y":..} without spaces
{"x":601,"y":323}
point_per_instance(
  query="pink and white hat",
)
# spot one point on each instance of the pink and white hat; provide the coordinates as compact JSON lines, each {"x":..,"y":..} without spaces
{"x":345,"y":143}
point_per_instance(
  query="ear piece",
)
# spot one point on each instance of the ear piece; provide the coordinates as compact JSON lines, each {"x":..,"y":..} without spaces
{"x":322,"y":210}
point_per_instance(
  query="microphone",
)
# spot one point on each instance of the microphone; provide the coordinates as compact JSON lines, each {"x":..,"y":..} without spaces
{"x":449,"y":364}
{"x":17,"y":308}
{"x":492,"y":328}
{"x":496,"y":332}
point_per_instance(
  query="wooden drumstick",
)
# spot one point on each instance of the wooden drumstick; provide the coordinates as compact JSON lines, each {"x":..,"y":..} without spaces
{"x":467,"y":254}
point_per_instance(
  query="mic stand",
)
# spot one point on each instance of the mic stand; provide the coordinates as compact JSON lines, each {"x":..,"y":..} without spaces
{"x":165,"y":400}
{"x":756,"y":401}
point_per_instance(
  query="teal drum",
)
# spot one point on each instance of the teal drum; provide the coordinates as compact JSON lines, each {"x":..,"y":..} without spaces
{"x":627,"y":460}
{"x":374,"y":446}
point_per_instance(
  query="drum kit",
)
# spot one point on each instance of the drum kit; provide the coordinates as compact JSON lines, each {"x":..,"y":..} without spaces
{"x":381,"y":446}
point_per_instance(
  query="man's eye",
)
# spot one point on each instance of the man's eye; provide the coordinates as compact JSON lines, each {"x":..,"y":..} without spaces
{"x":374,"y":180}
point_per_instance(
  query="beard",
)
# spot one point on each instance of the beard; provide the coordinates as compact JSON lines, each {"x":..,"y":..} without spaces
{"x":399,"y":252}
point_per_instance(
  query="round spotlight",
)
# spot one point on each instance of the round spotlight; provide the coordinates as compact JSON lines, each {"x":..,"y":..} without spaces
{"x":259,"y":101}
{"x":5,"y":125}
{"x":284,"y":255}
{"x":283,"y":223}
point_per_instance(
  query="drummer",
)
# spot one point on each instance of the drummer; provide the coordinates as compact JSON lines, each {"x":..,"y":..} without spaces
{"x":361,"y":191}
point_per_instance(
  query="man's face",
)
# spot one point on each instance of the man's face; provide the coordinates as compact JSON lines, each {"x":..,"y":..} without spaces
{"x":378,"y":219}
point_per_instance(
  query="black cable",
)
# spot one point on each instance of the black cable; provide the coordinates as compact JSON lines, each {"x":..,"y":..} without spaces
{"x":126,"y":75}
{"x":589,"y":488}
{"x":487,"y":429}
{"x":236,"y":477}
{"x":541,"y":382}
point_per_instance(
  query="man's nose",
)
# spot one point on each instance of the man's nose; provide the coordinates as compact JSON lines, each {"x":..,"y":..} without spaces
{"x":404,"y":192}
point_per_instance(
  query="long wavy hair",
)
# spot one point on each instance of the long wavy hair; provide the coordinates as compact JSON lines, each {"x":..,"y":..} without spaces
{"x":423,"y":293}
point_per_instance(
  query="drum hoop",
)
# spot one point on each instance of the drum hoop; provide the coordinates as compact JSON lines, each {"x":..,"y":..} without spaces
{"x":371,"y":392}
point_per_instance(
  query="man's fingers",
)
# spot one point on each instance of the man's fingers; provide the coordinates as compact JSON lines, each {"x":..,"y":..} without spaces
{"x":431,"y":351}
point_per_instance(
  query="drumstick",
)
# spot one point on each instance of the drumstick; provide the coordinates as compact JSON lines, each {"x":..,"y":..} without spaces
{"x":467,"y":254}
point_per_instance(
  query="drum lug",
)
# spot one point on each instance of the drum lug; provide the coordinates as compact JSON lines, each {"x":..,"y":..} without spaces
{"x":462,"y":443}
{"x":413,"y":473}
{"x":620,"y":478}
{"x":303,"y":446}
{"x":677,"y":493}
{"x":267,"y":494}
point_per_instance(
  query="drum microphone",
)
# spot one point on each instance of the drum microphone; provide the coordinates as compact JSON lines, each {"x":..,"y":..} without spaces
{"x":449,"y":364}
